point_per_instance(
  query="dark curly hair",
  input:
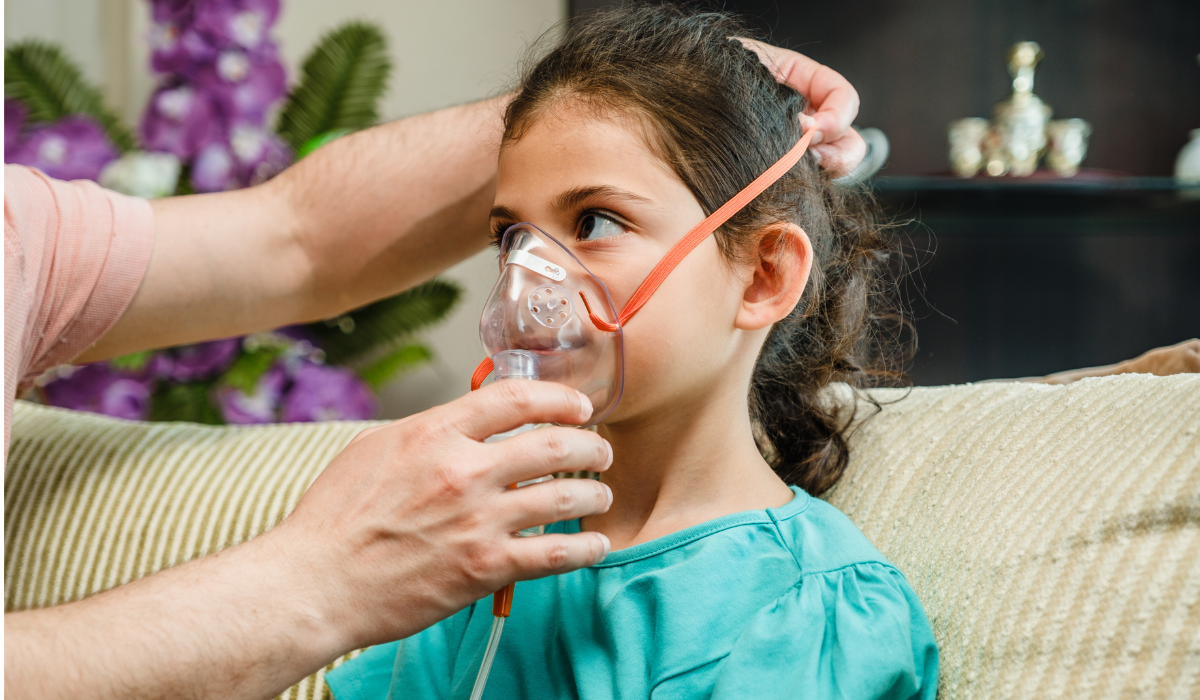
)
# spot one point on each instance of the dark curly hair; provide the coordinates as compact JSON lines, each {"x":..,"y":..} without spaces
{"x":718,"y":117}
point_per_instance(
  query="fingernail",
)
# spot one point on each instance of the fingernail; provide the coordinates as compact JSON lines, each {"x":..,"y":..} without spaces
{"x":610,"y":454}
{"x":607,"y":547}
{"x":816,"y":156}
{"x":585,"y":406}
{"x":610,"y":496}
{"x":806,"y":121}
{"x":818,"y":137}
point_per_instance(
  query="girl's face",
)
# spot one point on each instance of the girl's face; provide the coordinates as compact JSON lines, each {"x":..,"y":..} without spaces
{"x":593,"y":183}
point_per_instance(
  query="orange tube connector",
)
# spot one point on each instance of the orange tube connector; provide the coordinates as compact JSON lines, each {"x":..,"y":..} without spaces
{"x":502,"y":601}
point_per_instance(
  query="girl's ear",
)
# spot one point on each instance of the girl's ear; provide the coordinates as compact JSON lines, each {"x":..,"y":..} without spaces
{"x":782,"y":264}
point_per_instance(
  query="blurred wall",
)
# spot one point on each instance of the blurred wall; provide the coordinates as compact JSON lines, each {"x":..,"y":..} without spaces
{"x":444,"y":53}
{"x":1127,"y":66}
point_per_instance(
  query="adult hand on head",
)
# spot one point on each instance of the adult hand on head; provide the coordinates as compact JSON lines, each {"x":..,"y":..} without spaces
{"x":415,"y":520}
{"x":833,"y":103}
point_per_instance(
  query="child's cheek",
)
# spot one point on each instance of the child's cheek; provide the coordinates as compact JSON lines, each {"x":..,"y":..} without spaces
{"x":663,"y":356}
{"x":679,"y":339}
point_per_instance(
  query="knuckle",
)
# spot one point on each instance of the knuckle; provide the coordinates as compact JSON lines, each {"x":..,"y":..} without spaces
{"x":452,"y":479}
{"x":556,"y":447}
{"x":564,"y":500}
{"x":481,"y":565}
{"x":557,"y":556}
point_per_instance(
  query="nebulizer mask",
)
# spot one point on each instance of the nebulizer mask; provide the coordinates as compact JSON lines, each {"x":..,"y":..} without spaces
{"x":550,"y":319}
{"x":536,"y":323}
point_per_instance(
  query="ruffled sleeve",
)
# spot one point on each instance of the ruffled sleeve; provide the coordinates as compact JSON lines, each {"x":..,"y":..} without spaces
{"x":855,"y":632}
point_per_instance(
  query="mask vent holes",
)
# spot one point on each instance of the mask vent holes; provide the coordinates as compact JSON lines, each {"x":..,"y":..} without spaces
{"x":551,"y":306}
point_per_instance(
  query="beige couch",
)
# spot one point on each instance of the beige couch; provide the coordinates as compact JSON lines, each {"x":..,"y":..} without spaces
{"x":1053,"y":533}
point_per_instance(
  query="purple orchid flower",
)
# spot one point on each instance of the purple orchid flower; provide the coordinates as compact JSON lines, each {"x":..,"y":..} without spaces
{"x":254,"y":155}
{"x":321,"y":392}
{"x":72,"y":148}
{"x":244,"y":84}
{"x":260,"y":154}
{"x":176,"y":49}
{"x":179,"y":119}
{"x":259,"y":407}
{"x":214,"y":169}
{"x":160,"y":366}
{"x":14,"y":119}
{"x":99,"y":389}
{"x":204,"y":360}
{"x":237,"y":22}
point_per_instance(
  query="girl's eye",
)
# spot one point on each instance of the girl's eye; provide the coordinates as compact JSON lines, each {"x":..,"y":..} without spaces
{"x":596,"y":226}
{"x":498,"y":230}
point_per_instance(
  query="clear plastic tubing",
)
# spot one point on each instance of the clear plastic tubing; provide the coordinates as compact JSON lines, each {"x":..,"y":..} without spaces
{"x":510,"y":364}
{"x":488,"y":656}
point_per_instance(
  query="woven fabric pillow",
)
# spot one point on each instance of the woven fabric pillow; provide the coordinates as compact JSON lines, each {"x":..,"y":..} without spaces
{"x":92,"y":502}
{"x":1052,"y":532}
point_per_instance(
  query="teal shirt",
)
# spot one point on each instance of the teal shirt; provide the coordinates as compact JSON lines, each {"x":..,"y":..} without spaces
{"x":790,"y":602}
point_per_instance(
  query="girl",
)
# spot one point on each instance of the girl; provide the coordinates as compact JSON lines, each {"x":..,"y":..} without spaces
{"x":728,"y":578}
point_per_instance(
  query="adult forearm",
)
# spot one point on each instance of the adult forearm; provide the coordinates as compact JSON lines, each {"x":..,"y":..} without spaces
{"x":230,"y":625}
{"x":385,"y":209}
{"x":364,"y":217}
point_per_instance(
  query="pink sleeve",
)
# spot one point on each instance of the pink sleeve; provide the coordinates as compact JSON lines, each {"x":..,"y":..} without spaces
{"x":74,"y":256}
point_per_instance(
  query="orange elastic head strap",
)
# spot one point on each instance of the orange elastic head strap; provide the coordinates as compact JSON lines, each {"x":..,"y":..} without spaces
{"x":681,"y":249}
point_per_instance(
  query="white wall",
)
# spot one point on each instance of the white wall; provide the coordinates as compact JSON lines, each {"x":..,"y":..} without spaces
{"x":444,"y":53}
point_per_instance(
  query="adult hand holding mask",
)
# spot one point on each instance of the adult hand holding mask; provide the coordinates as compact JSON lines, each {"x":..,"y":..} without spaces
{"x":411,"y":522}
{"x":415,"y":520}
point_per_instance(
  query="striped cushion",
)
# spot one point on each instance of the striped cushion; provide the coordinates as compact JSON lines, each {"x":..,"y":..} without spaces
{"x":92,"y":502}
{"x":1053,"y":533}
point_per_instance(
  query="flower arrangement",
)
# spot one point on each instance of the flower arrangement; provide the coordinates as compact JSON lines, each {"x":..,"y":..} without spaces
{"x":207,"y":128}
{"x":221,"y":75}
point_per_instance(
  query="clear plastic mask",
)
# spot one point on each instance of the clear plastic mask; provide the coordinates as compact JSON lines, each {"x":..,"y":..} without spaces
{"x":535,"y":324}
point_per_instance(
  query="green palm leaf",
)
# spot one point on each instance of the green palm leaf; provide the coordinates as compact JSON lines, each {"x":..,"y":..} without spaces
{"x":40,"y":76}
{"x":341,"y":82}
{"x":382,"y":325}
{"x":386,"y":368}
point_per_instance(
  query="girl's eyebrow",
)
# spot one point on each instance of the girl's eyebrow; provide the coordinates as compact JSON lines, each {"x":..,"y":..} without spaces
{"x":571,"y":198}
{"x":504,"y":214}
